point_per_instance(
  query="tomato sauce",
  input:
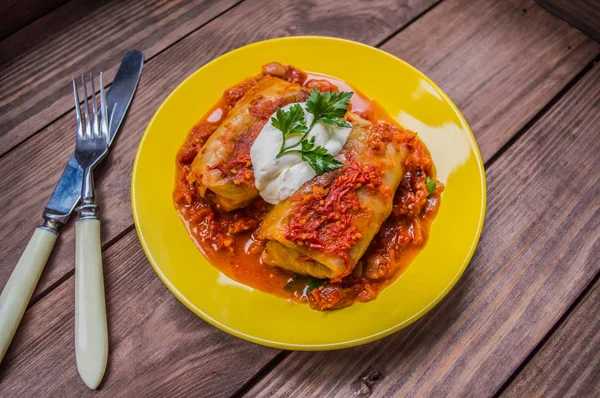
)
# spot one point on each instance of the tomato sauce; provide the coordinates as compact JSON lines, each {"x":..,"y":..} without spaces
{"x":322,"y":219}
{"x":229,"y":239}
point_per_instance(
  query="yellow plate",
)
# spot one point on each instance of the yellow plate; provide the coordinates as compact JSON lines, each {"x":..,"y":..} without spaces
{"x":409,"y":96}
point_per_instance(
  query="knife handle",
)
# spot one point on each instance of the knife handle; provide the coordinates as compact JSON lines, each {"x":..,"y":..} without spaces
{"x":22,"y":283}
{"x":91,"y":332}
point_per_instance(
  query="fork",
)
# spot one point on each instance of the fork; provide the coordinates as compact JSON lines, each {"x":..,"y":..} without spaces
{"x":91,"y":332}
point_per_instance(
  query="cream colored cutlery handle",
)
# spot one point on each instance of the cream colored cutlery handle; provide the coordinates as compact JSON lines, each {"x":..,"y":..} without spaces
{"x":22,"y":282}
{"x":91,"y":333}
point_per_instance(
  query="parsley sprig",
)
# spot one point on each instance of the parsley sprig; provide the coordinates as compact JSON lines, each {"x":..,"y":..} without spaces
{"x":431,"y":185}
{"x":327,"y":108}
{"x":304,"y":284}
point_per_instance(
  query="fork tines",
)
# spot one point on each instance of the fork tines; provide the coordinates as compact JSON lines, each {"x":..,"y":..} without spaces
{"x":95,"y":125}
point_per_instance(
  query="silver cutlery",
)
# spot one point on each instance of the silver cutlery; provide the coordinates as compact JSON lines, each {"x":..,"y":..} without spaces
{"x":21,"y":284}
{"x":91,"y":331}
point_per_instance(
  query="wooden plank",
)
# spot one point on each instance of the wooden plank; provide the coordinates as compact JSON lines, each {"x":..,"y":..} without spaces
{"x":26,"y":193}
{"x":157,"y":346}
{"x":156,"y":83}
{"x":52,"y":146}
{"x":582,"y":14}
{"x":568,"y":365}
{"x":16,"y":14}
{"x":539,"y":249}
{"x":160,"y":76}
{"x":36,"y":63}
{"x":515,"y":50}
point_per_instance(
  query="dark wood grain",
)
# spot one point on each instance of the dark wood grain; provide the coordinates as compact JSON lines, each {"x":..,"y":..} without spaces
{"x":16,"y":14}
{"x":157,"y":347}
{"x":36,"y":63}
{"x":526,"y":55}
{"x":582,"y":14}
{"x":52,"y":147}
{"x":568,"y":365}
{"x":539,"y":249}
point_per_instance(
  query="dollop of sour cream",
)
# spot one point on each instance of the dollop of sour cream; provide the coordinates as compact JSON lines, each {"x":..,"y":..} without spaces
{"x":277,"y":179}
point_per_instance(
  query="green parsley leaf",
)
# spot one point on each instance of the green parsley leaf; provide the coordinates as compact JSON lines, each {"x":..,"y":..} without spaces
{"x":327,"y":108}
{"x":430,"y":185}
{"x":307,"y":145}
{"x":291,"y":121}
{"x":320,"y":160}
{"x":298,"y":283}
{"x":328,"y":105}
{"x":336,"y":122}
{"x":315,"y":284}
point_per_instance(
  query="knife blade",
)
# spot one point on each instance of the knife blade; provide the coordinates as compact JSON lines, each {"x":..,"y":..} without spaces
{"x":67,"y":193}
{"x":21,"y":284}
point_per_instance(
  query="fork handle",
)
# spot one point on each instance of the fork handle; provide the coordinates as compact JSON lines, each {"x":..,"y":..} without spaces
{"x":91,"y":332}
{"x":19,"y":288}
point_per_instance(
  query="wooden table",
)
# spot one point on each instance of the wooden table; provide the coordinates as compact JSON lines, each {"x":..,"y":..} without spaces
{"x":523,"y":320}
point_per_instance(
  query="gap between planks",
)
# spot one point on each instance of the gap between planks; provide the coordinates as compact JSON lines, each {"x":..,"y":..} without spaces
{"x":265,"y":370}
{"x":71,"y":272}
{"x":564,"y":318}
{"x":277,"y":359}
{"x":34,"y":13}
{"x":108,"y":244}
{"x":146,"y":60}
{"x":270,"y":365}
{"x":152,"y":67}
{"x":298,"y":367}
{"x":541,"y":112}
{"x":408,"y":24}
{"x":116,"y":238}
{"x":494,"y":157}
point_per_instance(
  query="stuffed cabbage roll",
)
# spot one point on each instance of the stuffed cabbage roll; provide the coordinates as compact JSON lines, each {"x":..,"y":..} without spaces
{"x":324,"y":228}
{"x":223,"y":165}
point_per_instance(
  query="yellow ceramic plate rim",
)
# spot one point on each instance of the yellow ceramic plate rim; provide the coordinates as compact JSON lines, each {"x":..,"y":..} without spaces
{"x":280,"y":344}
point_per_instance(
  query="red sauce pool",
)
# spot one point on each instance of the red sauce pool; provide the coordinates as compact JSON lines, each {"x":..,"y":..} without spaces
{"x":228,"y":239}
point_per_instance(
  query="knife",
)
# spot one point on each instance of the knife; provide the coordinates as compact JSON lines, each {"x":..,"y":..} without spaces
{"x":21,"y":284}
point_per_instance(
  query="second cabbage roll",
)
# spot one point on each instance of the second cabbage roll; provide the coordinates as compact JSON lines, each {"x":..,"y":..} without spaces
{"x":324,"y":228}
{"x":223,"y":164}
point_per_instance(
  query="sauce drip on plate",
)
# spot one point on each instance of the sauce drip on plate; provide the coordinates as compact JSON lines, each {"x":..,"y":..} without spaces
{"x":229,"y":239}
